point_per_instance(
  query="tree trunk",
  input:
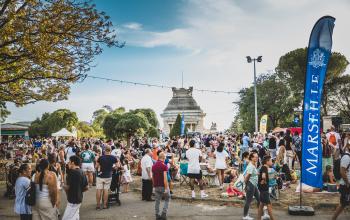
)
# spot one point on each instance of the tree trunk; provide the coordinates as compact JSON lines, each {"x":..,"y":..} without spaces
{"x":128,"y":141}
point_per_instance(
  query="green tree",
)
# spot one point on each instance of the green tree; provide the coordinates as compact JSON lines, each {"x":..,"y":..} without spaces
{"x":50,"y":123}
{"x":3,"y":111}
{"x":176,"y":129}
{"x":274,"y":99}
{"x":138,"y":122}
{"x":153,"y":132}
{"x":291,"y":70}
{"x":150,"y":115}
{"x":97,"y":119}
{"x":61,"y":118}
{"x":46,"y":45}
{"x":109,"y":123}
{"x":131,"y":124}
{"x":339,"y":97}
{"x":120,"y":110}
{"x":37,"y":129}
{"x":85,"y":130}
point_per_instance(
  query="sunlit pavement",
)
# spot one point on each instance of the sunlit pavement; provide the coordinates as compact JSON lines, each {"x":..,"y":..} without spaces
{"x":133,"y":208}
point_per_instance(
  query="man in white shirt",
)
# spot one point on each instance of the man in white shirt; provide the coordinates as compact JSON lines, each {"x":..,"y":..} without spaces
{"x":146,"y":166}
{"x":70,"y":151}
{"x":194,"y":170}
{"x":344,"y":182}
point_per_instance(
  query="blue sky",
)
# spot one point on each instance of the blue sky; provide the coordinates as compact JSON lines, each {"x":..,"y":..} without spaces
{"x":206,"y":39}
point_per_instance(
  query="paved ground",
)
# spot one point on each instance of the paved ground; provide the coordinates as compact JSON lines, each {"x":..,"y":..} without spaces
{"x":133,"y":208}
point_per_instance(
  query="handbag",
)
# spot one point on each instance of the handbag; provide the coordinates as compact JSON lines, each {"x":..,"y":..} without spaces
{"x":31,"y":194}
{"x":346,"y":193}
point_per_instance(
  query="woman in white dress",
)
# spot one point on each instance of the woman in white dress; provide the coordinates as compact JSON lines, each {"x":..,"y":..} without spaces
{"x":220,"y":164}
{"x":46,"y":193}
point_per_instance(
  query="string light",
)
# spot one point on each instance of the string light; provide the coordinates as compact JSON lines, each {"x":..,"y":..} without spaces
{"x":156,"y":85}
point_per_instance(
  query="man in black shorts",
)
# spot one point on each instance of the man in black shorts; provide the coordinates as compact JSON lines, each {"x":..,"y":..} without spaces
{"x":344,"y":182}
{"x":263,"y":186}
{"x":194,"y":170}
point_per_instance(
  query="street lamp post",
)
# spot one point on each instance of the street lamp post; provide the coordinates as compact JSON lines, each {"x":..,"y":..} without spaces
{"x":249,"y":60}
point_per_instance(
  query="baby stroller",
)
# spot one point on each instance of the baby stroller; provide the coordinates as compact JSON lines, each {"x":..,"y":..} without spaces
{"x":11,"y":177}
{"x":113,"y":196}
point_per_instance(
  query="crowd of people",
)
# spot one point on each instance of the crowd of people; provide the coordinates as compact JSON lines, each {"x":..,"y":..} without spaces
{"x":245,"y":166}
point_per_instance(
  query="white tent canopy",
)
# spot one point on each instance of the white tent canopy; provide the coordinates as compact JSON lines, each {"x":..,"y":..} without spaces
{"x":63,"y":133}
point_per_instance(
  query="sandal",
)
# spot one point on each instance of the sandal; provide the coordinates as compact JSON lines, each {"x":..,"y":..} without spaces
{"x":98,"y":208}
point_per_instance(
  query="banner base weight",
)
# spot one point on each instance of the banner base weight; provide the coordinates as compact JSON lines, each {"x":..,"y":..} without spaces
{"x":301,"y":210}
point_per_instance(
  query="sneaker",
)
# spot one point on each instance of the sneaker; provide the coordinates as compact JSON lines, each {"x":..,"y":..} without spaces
{"x":221,"y":187}
{"x":247,"y":218}
{"x":203,"y":196}
{"x":193,"y":195}
{"x":265,"y":217}
{"x":163,"y":216}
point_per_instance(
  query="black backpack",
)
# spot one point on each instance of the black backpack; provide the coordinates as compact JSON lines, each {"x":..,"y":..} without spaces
{"x":336,"y":169}
{"x":31,"y":195}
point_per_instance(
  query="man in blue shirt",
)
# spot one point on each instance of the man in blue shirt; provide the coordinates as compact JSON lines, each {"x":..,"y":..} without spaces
{"x":21,"y":187}
{"x":245,"y":143}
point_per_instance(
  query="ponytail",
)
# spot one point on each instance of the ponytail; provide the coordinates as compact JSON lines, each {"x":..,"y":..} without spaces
{"x":43,"y":164}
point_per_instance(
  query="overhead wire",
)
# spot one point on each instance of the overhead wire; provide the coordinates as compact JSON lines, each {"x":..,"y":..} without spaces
{"x":156,"y":85}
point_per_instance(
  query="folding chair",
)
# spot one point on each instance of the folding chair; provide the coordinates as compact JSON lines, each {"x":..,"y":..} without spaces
{"x":183,"y":174}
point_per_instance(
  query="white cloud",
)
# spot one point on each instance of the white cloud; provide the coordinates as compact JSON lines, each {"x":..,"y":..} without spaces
{"x":217,"y":36}
{"x":214,"y":40}
{"x":133,"y":26}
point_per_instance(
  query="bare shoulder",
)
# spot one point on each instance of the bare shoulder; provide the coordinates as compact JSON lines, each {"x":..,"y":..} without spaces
{"x":51,"y":176}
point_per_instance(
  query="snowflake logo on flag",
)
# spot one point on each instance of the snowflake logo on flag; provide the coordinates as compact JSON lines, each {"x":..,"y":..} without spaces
{"x":317,"y":59}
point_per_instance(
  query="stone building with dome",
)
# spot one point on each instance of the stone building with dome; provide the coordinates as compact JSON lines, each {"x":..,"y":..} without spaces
{"x":183,"y":102}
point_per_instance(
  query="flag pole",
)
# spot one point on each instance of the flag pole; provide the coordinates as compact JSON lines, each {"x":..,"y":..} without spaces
{"x":318,"y":54}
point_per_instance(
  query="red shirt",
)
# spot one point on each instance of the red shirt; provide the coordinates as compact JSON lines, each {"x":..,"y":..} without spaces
{"x":158,"y":170}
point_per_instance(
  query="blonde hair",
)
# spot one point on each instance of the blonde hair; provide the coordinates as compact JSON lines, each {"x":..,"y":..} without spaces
{"x":161,"y":155}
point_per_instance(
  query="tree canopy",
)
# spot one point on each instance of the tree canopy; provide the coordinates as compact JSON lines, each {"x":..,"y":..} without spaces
{"x":339,"y":97}
{"x":50,"y":123}
{"x":138,"y":122}
{"x":273,"y":99}
{"x":281,"y":92}
{"x":46,"y":45}
{"x":291,"y":70}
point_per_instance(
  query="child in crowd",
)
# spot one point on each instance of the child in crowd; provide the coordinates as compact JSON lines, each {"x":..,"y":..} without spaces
{"x":232,"y":191}
{"x":231,"y":176}
{"x":263,"y":186}
{"x":126,"y":178}
{"x":328,"y":176}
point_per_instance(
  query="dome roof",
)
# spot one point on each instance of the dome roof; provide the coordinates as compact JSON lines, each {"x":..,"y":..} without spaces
{"x":182,"y":100}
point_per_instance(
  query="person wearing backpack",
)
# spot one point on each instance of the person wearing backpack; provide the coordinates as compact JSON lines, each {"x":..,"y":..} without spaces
{"x":21,"y":187}
{"x":334,"y":140}
{"x":344,"y":188}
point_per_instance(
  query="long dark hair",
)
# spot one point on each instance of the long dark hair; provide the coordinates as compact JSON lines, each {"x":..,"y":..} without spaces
{"x":43,"y":165}
{"x":220,"y":148}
